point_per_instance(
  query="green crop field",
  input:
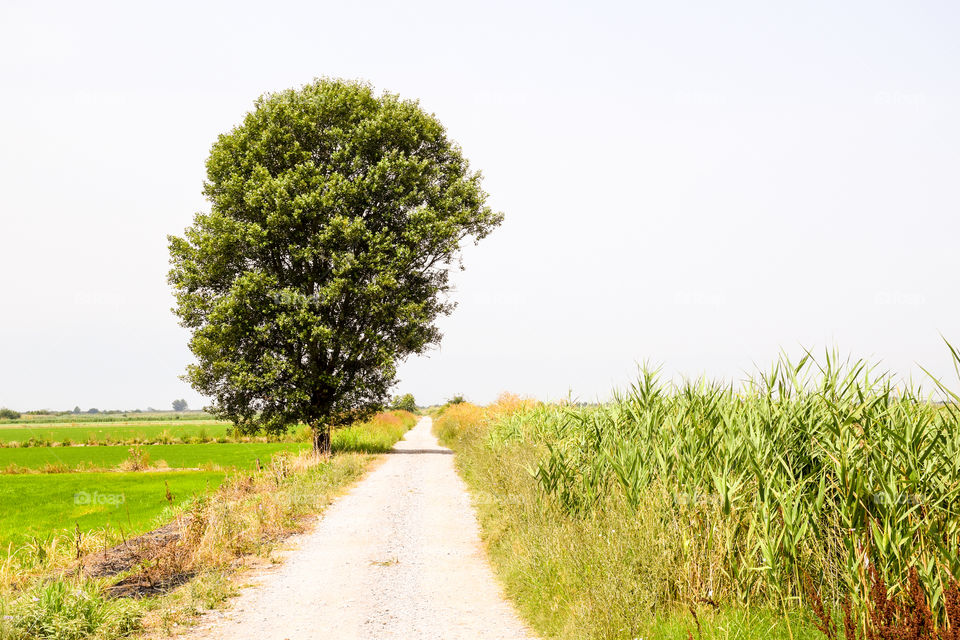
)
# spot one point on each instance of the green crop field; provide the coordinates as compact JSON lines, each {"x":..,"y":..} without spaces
{"x":108,"y":432}
{"x":38,"y":505}
{"x":72,"y":418}
{"x":177,"y":456}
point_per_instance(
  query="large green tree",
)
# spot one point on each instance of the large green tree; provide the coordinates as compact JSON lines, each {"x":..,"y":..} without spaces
{"x":335,"y":217}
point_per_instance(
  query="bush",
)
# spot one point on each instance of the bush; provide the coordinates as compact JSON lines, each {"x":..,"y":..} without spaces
{"x":62,"y":611}
{"x":8,"y":414}
{"x":138,"y":460}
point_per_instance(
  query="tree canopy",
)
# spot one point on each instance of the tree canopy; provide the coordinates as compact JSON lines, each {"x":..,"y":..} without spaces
{"x":335,"y":217}
{"x":406,"y":402}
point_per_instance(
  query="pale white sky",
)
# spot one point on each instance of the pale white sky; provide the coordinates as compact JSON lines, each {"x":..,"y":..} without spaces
{"x":694,"y":183}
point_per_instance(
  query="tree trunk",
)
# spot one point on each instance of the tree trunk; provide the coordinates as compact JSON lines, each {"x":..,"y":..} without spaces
{"x":321,"y":440}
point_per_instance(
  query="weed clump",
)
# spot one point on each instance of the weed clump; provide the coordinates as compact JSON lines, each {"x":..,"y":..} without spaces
{"x":138,"y":459}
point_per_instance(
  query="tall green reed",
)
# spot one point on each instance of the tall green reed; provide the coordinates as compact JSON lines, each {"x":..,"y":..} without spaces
{"x":821,"y":468}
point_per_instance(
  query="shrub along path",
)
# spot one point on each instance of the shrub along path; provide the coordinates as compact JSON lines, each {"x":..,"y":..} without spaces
{"x":399,"y":556}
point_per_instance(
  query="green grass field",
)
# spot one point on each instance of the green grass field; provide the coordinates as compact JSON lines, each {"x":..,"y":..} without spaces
{"x":144,"y":416}
{"x":40,"y":431}
{"x":44,"y":504}
{"x":177,"y":456}
{"x":101,"y":432}
{"x":40,"y":505}
{"x":231,"y":515}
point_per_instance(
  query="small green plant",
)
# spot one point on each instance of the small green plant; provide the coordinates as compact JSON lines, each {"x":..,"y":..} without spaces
{"x":62,"y":610}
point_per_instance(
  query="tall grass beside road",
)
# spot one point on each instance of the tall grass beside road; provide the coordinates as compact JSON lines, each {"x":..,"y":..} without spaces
{"x":818,"y":482}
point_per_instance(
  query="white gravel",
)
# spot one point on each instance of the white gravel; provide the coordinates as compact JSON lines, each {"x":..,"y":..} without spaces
{"x":399,"y":556}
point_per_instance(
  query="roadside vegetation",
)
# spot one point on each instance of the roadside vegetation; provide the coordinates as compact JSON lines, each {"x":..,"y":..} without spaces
{"x":820,"y":499}
{"x":77,"y":563}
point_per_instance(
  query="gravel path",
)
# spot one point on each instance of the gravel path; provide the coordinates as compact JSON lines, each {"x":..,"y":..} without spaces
{"x":399,"y":556}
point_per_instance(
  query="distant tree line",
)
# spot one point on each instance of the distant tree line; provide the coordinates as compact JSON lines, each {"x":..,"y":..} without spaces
{"x":10,"y":414}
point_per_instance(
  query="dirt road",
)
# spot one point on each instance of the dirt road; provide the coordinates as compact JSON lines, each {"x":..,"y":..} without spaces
{"x":397,"y":557}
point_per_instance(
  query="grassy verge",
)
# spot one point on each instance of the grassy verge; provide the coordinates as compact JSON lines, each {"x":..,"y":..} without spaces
{"x":596,"y":575}
{"x":216,"y":532}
